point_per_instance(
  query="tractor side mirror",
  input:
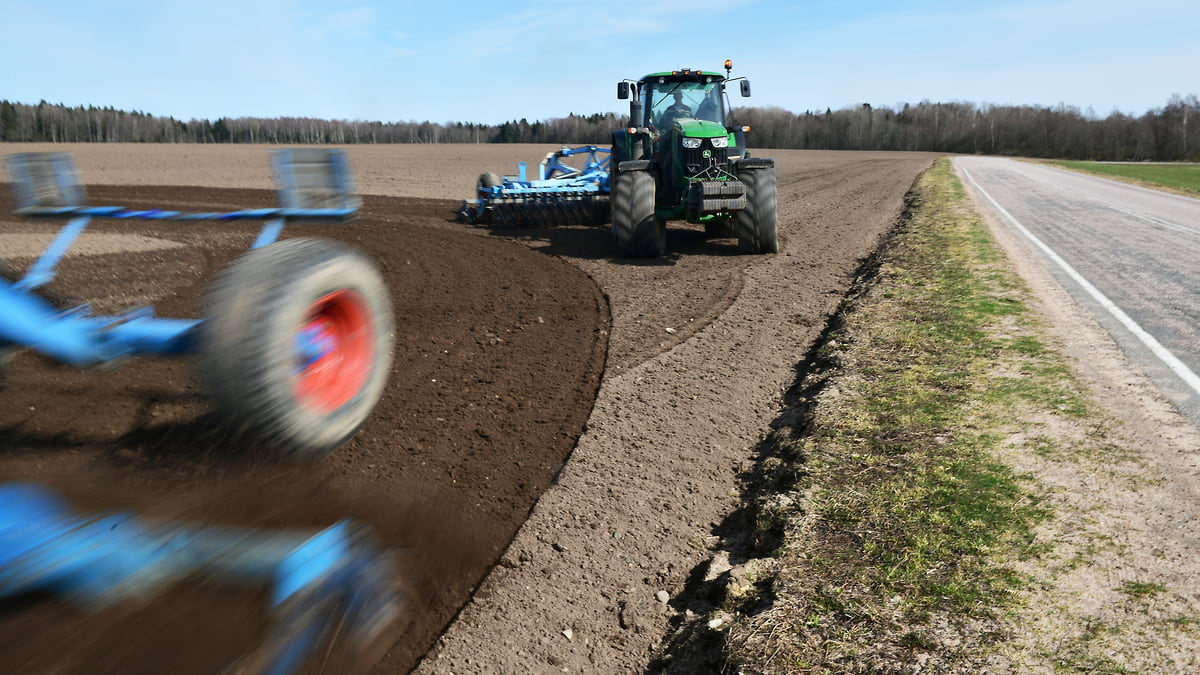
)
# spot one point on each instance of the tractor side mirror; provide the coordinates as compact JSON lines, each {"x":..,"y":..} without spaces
{"x":622,"y":90}
{"x":745,"y":88}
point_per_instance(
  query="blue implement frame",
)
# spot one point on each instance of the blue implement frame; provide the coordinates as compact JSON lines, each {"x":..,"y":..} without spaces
{"x":318,"y":581}
{"x":313,"y":184}
{"x":557,"y":182}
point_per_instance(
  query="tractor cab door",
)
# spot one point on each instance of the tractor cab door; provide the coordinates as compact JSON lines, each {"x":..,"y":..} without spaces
{"x":711,"y":108}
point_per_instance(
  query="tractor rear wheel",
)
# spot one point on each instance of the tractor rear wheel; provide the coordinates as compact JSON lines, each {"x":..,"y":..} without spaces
{"x":638,"y":232}
{"x":297,"y":343}
{"x":756,"y":224}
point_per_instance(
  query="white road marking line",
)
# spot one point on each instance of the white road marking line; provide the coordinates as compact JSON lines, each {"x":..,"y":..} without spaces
{"x":1178,"y":367}
{"x":1156,"y":221}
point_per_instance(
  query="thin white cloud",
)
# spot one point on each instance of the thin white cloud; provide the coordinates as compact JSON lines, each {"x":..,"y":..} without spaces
{"x":578,"y":32}
{"x":359,"y":17}
{"x":406,"y":59}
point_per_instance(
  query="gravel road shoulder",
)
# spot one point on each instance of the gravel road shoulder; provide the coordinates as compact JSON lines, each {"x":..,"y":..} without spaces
{"x":1121,"y":593}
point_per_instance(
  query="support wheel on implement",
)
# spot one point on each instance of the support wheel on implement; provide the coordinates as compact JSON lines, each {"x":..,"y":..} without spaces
{"x":297,"y":343}
{"x":485,"y":183}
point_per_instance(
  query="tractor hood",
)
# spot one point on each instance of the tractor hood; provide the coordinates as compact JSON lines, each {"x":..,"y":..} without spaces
{"x":701,"y":128}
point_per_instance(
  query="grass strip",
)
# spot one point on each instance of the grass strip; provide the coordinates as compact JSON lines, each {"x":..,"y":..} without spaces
{"x":1182,"y":177}
{"x":897,"y":547}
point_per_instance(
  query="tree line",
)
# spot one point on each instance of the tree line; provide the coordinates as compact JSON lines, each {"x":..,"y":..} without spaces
{"x":1167,"y":134}
{"x":57,"y":123}
{"x":1170,"y":133}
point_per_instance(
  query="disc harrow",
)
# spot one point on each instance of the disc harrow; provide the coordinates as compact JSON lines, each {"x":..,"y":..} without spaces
{"x":561,"y":195}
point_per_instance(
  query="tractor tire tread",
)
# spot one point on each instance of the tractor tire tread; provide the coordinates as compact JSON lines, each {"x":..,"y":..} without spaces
{"x":252,"y":310}
{"x":757,"y":227}
{"x":638,"y":232}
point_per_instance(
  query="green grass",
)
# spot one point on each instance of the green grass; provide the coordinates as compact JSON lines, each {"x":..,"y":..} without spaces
{"x":911,"y":519}
{"x":1184,"y":177}
{"x":1142,"y":589}
{"x":1081,"y":655}
{"x":923,"y":491}
{"x":908,"y":540}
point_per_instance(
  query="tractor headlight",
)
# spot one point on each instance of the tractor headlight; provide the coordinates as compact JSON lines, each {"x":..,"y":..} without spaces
{"x":720,"y":142}
{"x":691,"y":143}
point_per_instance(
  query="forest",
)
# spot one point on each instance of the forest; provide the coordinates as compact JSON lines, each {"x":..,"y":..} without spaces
{"x":1167,"y":134}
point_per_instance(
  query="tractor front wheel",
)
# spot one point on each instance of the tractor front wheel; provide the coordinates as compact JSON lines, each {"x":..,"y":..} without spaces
{"x":756,"y":224}
{"x":297,"y":343}
{"x":638,"y":232}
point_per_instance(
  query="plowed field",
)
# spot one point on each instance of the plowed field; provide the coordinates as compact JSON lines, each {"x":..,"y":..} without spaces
{"x":574,"y":416}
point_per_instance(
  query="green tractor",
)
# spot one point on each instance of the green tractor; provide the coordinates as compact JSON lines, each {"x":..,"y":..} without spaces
{"x":678,"y":161}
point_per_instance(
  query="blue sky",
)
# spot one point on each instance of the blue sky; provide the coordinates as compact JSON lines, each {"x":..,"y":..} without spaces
{"x":496,"y":61}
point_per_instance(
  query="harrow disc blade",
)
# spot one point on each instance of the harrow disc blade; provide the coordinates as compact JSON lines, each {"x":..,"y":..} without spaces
{"x":543,"y":211}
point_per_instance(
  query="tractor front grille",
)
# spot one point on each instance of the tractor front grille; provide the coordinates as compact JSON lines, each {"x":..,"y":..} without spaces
{"x":694,"y":161}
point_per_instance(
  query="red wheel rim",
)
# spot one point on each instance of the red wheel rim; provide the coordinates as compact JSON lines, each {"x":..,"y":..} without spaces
{"x":334,"y":351}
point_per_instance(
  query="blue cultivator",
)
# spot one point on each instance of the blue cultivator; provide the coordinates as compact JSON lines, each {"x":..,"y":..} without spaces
{"x":297,"y":341}
{"x":561,"y":195}
{"x":320,"y":582}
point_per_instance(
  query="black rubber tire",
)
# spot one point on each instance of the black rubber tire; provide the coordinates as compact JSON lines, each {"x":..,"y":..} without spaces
{"x":757,"y":230}
{"x":614,"y":161}
{"x":486,"y":180}
{"x":639,"y":234}
{"x":256,"y":311}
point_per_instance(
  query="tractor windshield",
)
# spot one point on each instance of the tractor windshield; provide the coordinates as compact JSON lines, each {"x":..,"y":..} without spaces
{"x":668,"y":101}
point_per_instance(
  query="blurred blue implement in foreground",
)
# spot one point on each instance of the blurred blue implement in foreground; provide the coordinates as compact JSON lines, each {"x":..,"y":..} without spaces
{"x":258,"y":358}
{"x":314,"y":184}
{"x":320,"y":582}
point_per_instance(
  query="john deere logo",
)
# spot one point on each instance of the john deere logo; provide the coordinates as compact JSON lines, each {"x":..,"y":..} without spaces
{"x":706,"y":154}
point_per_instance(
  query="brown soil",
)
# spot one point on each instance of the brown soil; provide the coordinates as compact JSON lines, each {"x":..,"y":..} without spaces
{"x":500,"y":351}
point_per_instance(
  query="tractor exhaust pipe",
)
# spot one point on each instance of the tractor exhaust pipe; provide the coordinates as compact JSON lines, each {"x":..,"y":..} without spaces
{"x":624,"y":88}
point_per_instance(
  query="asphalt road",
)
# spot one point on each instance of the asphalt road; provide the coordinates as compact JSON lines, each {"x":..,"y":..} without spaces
{"x":1130,"y":255}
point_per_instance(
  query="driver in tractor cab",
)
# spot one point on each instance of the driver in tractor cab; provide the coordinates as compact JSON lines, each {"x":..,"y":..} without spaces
{"x":677,"y":110}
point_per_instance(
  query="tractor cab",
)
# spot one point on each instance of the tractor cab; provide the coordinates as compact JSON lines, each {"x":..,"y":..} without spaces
{"x":659,"y":99}
{"x":679,"y":117}
{"x":668,"y":98}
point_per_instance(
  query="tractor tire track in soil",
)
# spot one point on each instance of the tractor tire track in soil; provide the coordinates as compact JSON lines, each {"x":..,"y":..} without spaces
{"x":448,"y":471}
{"x":704,"y":344}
